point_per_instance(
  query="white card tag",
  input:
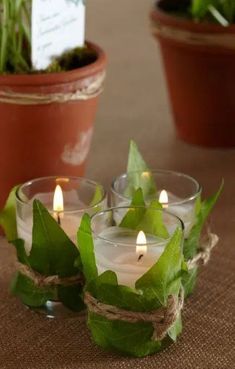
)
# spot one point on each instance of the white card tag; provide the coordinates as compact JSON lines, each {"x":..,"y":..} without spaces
{"x":57,"y":26}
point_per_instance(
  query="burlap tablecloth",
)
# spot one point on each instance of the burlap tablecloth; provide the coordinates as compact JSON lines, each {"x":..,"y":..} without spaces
{"x":134,"y":105}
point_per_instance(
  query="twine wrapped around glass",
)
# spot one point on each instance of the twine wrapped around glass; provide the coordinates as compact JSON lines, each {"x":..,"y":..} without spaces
{"x":48,"y":214}
{"x":133,"y":272}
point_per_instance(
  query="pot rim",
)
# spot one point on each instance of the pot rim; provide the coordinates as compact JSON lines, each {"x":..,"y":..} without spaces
{"x":158,"y":14}
{"x":59,"y":77}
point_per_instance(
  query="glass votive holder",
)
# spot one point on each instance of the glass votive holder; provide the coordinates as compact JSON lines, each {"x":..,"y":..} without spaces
{"x":145,"y":251}
{"x":57,"y":293}
{"x":75,"y":196}
{"x":129,"y":252}
{"x":177,"y":192}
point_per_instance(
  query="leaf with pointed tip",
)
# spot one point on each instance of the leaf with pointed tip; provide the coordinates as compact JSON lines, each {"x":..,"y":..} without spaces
{"x":139,"y":175}
{"x":148,"y":219}
{"x":134,"y":215}
{"x":52,"y":253}
{"x":167,"y":270}
{"x":8,"y":216}
{"x":152,"y":221}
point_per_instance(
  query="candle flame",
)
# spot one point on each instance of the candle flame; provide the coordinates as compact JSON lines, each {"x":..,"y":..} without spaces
{"x":163,"y":198}
{"x":141,"y":241}
{"x":58,"y":201}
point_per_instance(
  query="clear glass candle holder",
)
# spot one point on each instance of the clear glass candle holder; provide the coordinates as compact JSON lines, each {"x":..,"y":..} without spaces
{"x":76,"y":197}
{"x":80,"y":196}
{"x":129,"y":253}
{"x":177,"y":192}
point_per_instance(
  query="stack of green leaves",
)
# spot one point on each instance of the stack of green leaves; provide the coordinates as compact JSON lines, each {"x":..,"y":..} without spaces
{"x":151,"y":291}
{"x":135,"y":167}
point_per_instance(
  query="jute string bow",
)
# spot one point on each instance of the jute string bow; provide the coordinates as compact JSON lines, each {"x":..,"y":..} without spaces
{"x":162,"y":318}
{"x":94,"y":88}
{"x":54,"y":280}
{"x":224,"y":40}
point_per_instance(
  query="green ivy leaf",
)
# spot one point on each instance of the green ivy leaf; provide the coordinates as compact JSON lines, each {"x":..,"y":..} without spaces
{"x":128,"y":338}
{"x":191,"y":245}
{"x":8,"y":216}
{"x":152,"y":221}
{"x":134,"y":215}
{"x":139,"y":175}
{"x":86,"y":247}
{"x":52,"y":253}
{"x":145,"y":218}
{"x":158,"y":280}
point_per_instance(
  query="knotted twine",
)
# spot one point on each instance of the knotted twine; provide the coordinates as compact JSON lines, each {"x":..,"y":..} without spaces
{"x":224,"y":40}
{"x":162,"y":319}
{"x":93,"y":89}
{"x":206,"y":246}
{"x":49,"y":281}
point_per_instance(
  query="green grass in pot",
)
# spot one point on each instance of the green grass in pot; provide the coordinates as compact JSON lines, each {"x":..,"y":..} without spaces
{"x":219,"y":11}
{"x":15,"y":42}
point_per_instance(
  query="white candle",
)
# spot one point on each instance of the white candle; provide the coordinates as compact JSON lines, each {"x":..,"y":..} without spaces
{"x":124,"y":252}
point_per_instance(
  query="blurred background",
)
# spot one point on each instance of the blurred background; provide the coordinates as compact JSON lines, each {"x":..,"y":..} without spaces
{"x":135,"y":103}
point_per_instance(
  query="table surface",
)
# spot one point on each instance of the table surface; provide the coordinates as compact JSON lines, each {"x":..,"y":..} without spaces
{"x":135,"y":105}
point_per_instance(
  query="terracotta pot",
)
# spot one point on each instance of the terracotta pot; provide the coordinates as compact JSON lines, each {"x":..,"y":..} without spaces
{"x":199,"y":61}
{"x":47,"y":138}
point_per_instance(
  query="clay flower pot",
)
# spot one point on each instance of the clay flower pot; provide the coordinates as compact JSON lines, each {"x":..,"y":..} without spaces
{"x":46,"y":122}
{"x":199,"y":61}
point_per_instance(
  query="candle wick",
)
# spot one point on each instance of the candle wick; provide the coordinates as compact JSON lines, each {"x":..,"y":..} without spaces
{"x":140,"y":257}
{"x":58,"y":219}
